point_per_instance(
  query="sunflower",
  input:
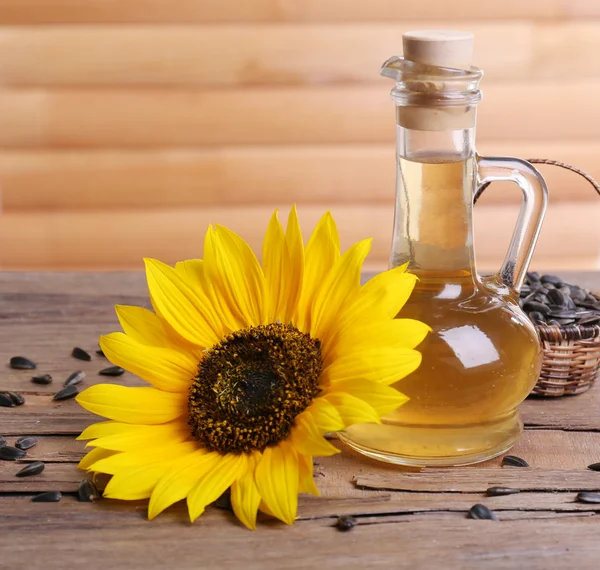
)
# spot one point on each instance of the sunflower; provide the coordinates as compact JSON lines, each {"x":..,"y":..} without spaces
{"x":248,"y":368}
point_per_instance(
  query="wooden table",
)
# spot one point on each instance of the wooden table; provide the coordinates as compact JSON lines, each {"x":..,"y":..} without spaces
{"x":405,"y":519}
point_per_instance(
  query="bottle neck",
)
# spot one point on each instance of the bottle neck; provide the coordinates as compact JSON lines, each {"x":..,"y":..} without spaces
{"x":436,"y":177}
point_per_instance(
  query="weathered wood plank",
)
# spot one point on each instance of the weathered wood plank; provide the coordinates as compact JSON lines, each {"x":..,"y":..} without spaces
{"x":70,"y":239}
{"x":63,"y":477}
{"x":96,"y":179}
{"x":203,"y":11}
{"x":52,"y":449}
{"x":274,"y":55}
{"x":150,"y":118}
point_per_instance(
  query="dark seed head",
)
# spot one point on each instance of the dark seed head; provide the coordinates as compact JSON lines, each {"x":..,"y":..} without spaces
{"x":22,"y":363}
{"x":34,"y":468}
{"x":9,"y":453}
{"x":17,"y":399}
{"x":88,"y":492}
{"x":66,"y":393}
{"x":5,"y":400}
{"x":345,"y":523}
{"x":26,"y":442}
{"x":112,"y":371}
{"x":75,"y":378}
{"x":594,"y":466}
{"x":81,"y":354}
{"x":514,"y":461}
{"x":49,"y":497}
{"x":45,"y":379}
{"x":481,"y":512}
{"x":501,"y":491}
{"x":587,"y":497}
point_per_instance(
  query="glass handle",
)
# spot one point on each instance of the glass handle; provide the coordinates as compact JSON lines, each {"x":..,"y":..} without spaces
{"x":533,"y":209}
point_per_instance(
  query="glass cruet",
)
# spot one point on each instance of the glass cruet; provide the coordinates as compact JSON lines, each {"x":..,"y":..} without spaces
{"x":483,"y":356}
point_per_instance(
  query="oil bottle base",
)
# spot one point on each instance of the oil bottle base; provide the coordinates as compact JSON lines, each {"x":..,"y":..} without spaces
{"x":439,"y":446}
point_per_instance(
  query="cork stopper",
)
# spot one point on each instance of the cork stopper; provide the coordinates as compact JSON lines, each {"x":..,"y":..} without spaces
{"x":442,"y":48}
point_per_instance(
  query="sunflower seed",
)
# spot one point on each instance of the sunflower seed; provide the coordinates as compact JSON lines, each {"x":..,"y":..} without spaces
{"x":49,"y":497}
{"x":34,"y":468}
{"x":345,"y":523}
{"x":5,"y":400}
{"x":587,"y":497}
{"x":589,"y":320}
{"x":2,"y":441}
{"x":100,"y":352}
{"x":558,"y":297}
{"x":224,"y":501}
{"x":551,"y":279}
{"x":75,"y":378}
{"x":45,"y":379}
{"x":112,"y":371}
{"x":88,"y":492}
{"x":66,"y":393}
{"x":481,"y":512}
{"x":17,"y":399}
{"x":81,"y":354}
{"x":22,"y":363}
{"x":25,"y":442}
{"x":594,"y":466}
{"x":501,"y":491}
{"x":535,"y":306}
{"x":9,"y":453}
{"x":514,"y":461}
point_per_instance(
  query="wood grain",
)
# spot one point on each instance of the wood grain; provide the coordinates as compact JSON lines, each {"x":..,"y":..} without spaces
{"x":344,"y":174}
{"x":71,"y":118}
{"x":274,"y":55}
{"x":202,"y":11}
{"x":71,"y":239}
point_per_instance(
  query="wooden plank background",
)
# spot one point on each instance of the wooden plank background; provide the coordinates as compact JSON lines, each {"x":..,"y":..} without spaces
{"x":127,"y":127}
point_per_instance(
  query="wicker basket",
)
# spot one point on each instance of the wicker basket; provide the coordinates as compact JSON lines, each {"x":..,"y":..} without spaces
{"x":571,"y":360}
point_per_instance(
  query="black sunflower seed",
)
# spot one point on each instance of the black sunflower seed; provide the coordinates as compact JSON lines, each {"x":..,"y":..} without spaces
{"x":589,"y":320}
{"x":81,"y":354}
{"x":558,"y":297}
{"x":112,"y":371}
{"x":481,"y":512}
{"x":224,"y":501}
{"x":587,"y":497}
{"x":531,"y":306}
{"x":17,"y":399}
{"x":88,"y":492}
{"x":22,"y":363}
{"x":9,"y":453}
{"x":49,"y":497}
{"x":551,"y":279}
{"x":44,"y":379}
{"x":25,"y":442}
{"x":100,"y":352}
{"x":5,"y":400}
{"x":34,"y":468}
{"x":514,"y":461}
{"x":2,"y":441}
{"x":75,"y":378}
{"x":501,"y":491}
{"x":594,"y":466}
{"x":345,"y":523}
{"x":66,"y":393}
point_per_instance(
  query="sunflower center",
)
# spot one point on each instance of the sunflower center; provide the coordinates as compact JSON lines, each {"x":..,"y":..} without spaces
{"x":251,"y":386}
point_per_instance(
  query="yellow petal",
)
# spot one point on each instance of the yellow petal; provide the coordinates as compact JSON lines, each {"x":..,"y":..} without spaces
{"x":383,"y":399}
{"x":325,"y":416}
{"x":125,"y":460}
{"x":306,"y":480}
{"x":133,"y":405}
{"x":339,"y":288}
{"x":214,"y":482}
{"x":101,"y":429}
{"x":192,"y":272}
{"x":145,"y":437}
{"x":245,"y":498}
{"x":322,"y":251}
{"x":136,"y":483}
{"x":385,"y":364}
{"x":94,"y":456}
{"x":295,"y":274}
{"x":179,"y":480}
{"x":145,"y":327}
{"x":308,"y":440}
{"x":188,"y":312}
{"x":165,"y":368}
{"x":276,"y":267}
{"x":277,"y":477}
{"x":352,"y":409}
